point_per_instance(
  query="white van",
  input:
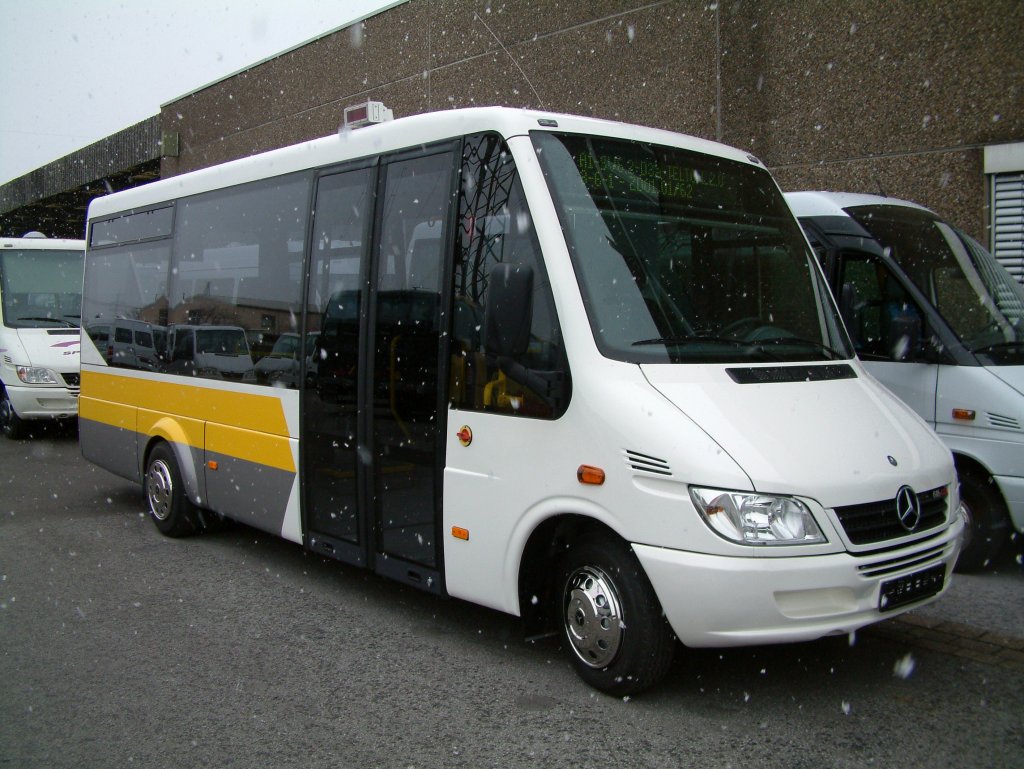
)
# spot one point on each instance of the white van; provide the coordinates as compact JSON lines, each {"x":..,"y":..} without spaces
{"x":583,"y":372}
{"x":941,"y":323}
{"x":130,"y":343}
{"x":216,"y":352}
{"x":40,"y":313}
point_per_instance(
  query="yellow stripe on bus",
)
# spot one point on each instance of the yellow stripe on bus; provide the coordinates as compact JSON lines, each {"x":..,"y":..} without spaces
{"x":113,"y":414}
{"x":259,"y":448}
{"x":259,"y":413}
{"x":241,"y":425}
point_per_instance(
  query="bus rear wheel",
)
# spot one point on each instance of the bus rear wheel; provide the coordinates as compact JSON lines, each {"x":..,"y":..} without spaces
{"x":610,"y":618}
{"x":169,"y":507}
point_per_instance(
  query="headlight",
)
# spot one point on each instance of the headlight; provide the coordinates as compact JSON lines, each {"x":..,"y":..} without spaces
{"x":757,"y":519}
{"x":33,"y":375}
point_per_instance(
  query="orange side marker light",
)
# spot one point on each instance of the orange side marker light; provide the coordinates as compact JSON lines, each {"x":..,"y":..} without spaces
{"x":590,"y":475}
{"x":966,"y":415}
{"x":212,"y":464}
{"x":460,"y":533}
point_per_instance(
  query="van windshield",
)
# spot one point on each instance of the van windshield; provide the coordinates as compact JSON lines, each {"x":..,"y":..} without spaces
{"x":41,"y":288}
{"x":687,"y":258}
{"x":221,"y":341}
{"x":979,"y":299}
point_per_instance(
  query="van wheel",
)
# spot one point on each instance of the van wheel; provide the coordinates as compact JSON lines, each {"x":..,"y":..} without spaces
{"x":11,"y":424}
{"x":169,"y":508}
{"x":610,"y":619}
{"x":987,"y":522}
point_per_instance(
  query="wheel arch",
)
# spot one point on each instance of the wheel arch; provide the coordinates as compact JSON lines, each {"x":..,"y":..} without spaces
{"x":539,"y":561}
{"x":988,"y":525}
{"x":189,"y":458}
{"x":965,"y":463}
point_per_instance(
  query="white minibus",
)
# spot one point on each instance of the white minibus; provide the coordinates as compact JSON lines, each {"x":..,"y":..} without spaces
{"x":583,"y":372}
{"x":940,"y":323}
{"x":40,"y":305}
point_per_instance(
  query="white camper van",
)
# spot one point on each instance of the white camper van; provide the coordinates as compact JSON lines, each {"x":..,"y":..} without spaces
{"x":941,"y":323}
{"x":610,"y":393}
{"x":40,"y":314}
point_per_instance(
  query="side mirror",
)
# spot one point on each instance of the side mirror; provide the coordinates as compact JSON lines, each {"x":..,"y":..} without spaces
{"x":905,"y":337}
{"x":508,"y":310}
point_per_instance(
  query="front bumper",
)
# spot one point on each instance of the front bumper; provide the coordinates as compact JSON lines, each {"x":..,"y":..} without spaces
{"x":41,"y":402}
{"x":712,"y":600}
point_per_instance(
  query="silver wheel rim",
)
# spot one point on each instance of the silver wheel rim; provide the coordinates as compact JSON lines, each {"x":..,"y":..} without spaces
{"x":968,"y":534}
{"x":159,"y":489}
{"x":593,"y":616}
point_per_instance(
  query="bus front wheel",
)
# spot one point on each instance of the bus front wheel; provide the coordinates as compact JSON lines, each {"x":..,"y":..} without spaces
{"x":610,"y":618}
{"x":11,"y":424}
{"x":169,"y":507}
{"x":988,"y":523}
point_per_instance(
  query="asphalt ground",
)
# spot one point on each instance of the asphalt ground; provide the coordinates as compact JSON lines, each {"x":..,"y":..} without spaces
{"x":123,"y":648}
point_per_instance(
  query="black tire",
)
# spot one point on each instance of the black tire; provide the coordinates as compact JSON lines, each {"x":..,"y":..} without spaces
{"x":168,"y":506}
{"x":610,"y":619}
{"x":11,"y":424}
{"x":988,"y":523}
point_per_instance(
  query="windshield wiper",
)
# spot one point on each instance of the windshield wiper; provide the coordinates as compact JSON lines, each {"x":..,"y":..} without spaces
{"x":67,"y":323}
{"x":752,"y":347}
{"x":1010,"y":346}
{"x":677,"y":340}
{"x":796,"y":340}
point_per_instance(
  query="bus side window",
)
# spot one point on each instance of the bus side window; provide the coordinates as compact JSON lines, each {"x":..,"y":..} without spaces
{"x":237,"y":273}
{"x":496,"y":229}
{"x":886,"y":324}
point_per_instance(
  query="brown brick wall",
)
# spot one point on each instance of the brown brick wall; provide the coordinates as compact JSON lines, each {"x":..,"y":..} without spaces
{"x":859,"y":95}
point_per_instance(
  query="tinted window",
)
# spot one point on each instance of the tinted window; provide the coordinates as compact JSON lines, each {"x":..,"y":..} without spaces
{"x":497,"y":229}
{"x":126,"y":282}
{"x":129,"y":228}
{"x":685,"y":257}
{"x":238,"y":271}
{"x":881,"y":308}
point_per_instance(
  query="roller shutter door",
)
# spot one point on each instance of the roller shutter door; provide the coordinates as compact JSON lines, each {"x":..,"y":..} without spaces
{"x":1008,"y":222}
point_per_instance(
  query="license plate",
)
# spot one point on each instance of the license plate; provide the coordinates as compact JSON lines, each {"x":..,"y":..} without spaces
{"x":913,"y":587}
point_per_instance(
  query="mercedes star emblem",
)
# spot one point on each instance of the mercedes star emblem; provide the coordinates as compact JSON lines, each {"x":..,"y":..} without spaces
{"x":908,"y":510}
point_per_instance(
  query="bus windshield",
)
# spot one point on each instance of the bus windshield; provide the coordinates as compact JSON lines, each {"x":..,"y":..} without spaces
{"x":979,"y":299}
{"x":41,"y":288}
{"x":685,"y":257}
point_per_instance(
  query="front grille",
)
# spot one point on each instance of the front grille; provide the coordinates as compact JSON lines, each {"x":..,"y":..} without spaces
{"x":1008,"y":423}
{"x":903,"y":561}
{"x":72,"y":380}
{"x":878,"y":521}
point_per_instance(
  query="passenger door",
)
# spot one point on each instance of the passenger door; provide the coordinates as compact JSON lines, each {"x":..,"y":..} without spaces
{"x":331,"y":467}
{"x":373,"y":454}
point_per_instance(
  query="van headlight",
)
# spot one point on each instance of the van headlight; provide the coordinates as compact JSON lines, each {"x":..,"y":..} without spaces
{"x":32,"y":375}
{"x":757,"y":519}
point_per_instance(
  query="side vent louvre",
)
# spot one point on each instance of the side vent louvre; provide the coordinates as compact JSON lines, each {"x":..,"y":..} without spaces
{"x":646,"y":464}
{"x":1008,"y":423}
